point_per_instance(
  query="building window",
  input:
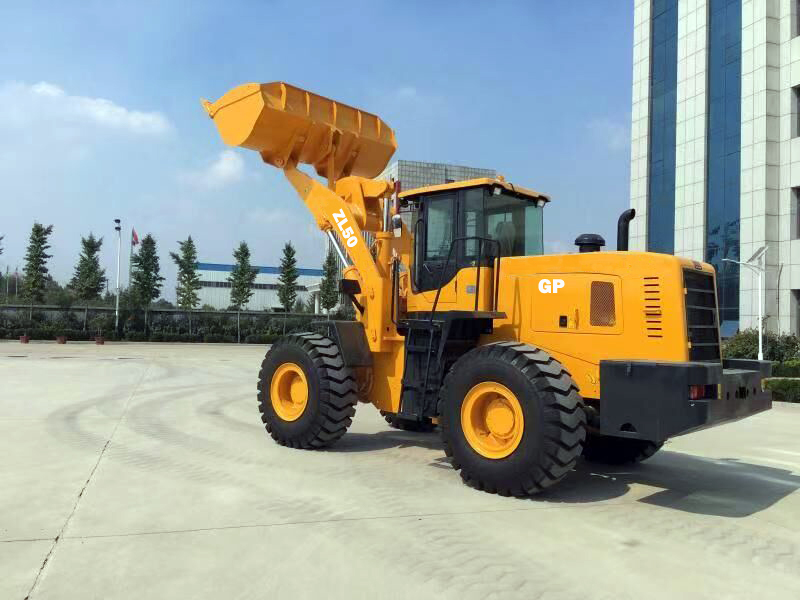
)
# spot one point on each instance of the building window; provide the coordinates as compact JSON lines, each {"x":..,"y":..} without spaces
{"x":796,"y":112}
{"x":795,"y":18}
{"x":795,"y":213}
{"x":723,"y":165}
{"x":663,"y":117}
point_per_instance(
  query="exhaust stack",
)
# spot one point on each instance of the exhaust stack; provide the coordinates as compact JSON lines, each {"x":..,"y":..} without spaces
{"x":622,"y":229}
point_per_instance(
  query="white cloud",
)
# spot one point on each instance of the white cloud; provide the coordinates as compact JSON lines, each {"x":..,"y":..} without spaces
{"x":407,"y":92}
{"x":411,"y":95}
{"x":43,"y":103}
{"x":558,"y":247}
{"x":615,"y":135}
{"x":228,"y":168}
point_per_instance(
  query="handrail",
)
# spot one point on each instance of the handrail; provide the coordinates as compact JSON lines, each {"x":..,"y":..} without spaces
{"x":417,"y":250}
{"x":482,"y":240}
{"x":394,"y":311}
{"x":439,"y":290}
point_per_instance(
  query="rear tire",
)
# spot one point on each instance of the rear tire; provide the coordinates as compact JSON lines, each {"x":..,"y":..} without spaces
{"x":610,"y":450}
{"x":315,"y":402}
{"x":396,"y":422}
{"x":548,"y":408}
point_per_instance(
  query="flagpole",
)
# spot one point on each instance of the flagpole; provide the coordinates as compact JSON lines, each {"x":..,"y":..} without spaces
{"x":118,"y":228}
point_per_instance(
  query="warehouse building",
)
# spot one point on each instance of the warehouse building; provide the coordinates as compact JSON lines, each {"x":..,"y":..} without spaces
{"x":215,"y":288}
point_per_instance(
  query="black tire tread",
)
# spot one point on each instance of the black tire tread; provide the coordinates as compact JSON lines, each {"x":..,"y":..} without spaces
{"x":564,"y":425}
{"x":338,"y":393}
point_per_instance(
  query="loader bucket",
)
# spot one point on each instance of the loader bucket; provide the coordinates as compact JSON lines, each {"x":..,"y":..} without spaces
{"x":285,"y":123}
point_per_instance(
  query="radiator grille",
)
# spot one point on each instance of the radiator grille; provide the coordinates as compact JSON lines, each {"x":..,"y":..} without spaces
{"x":652,"y":307}
{"x":602,"y":312}
{"x":701,"y":316}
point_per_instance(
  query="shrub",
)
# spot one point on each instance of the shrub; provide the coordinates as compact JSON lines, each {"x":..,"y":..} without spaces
{"x":157,"y":337}
{"x":777,"y":347}
{"x":217,"y":338}
{"x":135,"y":336}
{"x":790,"y":368}
{"x":784,"y":390}
{"x":261,"y":338}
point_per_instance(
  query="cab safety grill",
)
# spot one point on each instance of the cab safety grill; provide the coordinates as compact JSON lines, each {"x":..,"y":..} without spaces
{"x":701,"y":316}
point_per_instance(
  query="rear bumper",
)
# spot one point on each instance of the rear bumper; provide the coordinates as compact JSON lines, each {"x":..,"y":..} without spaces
{"x":650,"y":400}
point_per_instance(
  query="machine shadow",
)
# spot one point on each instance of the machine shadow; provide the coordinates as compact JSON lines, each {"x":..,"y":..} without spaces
{"x":383,"y":440}
{"x":718,"y":487}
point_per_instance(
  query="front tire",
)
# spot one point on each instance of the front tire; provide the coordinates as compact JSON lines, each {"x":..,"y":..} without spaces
{"x":511,"y":419}
{"x":306,"y":395}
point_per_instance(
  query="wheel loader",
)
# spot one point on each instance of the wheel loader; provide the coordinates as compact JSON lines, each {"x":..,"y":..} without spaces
{"x":524,"y":361}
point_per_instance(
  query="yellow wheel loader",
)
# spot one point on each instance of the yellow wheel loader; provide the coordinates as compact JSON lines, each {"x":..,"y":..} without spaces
{"x":525,"y":361}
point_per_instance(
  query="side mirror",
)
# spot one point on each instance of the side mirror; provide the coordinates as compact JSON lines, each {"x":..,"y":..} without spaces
{"x":397,"y":226}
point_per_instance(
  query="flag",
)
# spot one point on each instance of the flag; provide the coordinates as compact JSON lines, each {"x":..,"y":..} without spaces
{"x":134,"y":237}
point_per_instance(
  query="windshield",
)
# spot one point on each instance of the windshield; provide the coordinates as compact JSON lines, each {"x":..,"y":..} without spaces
{"x":516,"y":223}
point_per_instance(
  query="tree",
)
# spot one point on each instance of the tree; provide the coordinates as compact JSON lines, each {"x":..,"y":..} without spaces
{"x":1,"y":273}
{"x":89,"y":278}
{"x":35,"y":271}
{"x":310,"y":305}
{"x":241,"y":278}
{"x":329,"y":288}
{"x":188,"y":279}
{"x":287,"y":280}
{"x":146,"y":275}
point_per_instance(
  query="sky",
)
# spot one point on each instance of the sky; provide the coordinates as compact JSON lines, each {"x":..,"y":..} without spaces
{"x":100,"y":114}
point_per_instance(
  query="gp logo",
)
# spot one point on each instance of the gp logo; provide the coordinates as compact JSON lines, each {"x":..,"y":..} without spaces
{"x":548,"y":287}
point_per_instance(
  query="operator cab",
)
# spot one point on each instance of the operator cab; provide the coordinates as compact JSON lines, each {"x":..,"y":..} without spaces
{"x":468,"y":223}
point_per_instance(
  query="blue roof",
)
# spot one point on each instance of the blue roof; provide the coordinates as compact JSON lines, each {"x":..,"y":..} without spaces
{"x":269,"y":270}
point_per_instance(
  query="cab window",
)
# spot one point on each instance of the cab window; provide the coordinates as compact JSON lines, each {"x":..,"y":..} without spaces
{"x":516,"y":223}
{"x":440,"y":216}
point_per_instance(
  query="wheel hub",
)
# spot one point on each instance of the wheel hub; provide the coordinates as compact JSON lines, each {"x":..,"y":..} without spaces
{"x":500,"y":418}
{"x":289,"y":392}
{"x":492,"y":420}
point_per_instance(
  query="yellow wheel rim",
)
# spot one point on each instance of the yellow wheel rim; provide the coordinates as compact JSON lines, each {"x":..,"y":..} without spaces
{"x":492,"y":420}
{"x":288,"y":392}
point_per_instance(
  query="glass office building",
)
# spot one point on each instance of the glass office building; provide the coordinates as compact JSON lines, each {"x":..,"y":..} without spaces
{"x":715,"y":145}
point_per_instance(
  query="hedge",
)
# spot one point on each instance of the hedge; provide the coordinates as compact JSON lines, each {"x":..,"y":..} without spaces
{"x":77,"y":335}
{"x":790,"y":368}
{"x":46,"y":333}
{"x":784,"y":390}
{"x":777,"y":347}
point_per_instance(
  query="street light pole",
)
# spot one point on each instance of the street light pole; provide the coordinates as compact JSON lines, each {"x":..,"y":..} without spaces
{"x":760,"y":320}
{"x":118,"y":229}
{"x":759,"y":270}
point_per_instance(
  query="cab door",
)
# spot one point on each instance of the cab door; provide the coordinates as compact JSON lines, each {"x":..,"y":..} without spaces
{"x":437,"y":231}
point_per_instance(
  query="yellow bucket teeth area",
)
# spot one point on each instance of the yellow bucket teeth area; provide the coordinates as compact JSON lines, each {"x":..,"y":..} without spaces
{"x":286,"y":124}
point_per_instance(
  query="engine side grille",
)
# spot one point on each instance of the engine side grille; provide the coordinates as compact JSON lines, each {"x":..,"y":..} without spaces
{"x":701,"y":316}
{"x":652,"y":307}
{"x":602,"y":312}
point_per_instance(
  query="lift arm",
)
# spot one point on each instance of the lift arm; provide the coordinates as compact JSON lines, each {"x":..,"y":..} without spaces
{"x":289,"y":126}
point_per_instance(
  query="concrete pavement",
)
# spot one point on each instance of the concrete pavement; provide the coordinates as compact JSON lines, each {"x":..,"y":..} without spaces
{"x":143,"y":471}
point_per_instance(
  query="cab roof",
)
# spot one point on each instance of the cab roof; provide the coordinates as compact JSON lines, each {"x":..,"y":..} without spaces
{"x":498,"y":181}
